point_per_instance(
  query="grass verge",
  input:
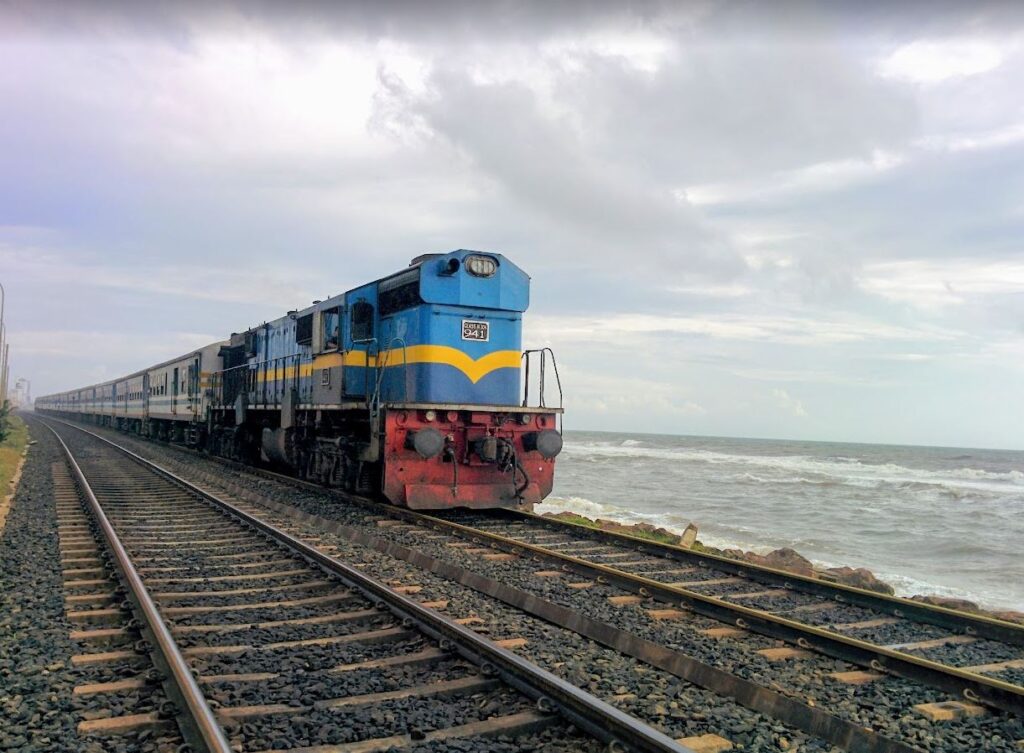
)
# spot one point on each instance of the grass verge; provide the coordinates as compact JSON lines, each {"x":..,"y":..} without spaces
{"x":10,"y":451}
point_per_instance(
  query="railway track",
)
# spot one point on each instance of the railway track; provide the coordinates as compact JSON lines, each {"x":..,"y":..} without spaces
{"x":976,"y":658}
{"x":492,"y":550}
{"x":264,"y":642}
{"x":965,"y":654}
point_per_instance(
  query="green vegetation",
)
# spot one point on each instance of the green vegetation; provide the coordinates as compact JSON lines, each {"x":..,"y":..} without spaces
{"x":13,"y":438}
{"x":659,"y":538}
{"x":579,"y":520}
{"x":630,"y":530}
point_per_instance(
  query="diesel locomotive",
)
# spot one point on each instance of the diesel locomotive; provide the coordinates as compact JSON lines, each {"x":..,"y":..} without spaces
{"x":414,"y":387}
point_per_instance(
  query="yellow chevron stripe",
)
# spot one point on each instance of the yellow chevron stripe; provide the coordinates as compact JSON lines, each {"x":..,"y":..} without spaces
{"x":474,"y":369}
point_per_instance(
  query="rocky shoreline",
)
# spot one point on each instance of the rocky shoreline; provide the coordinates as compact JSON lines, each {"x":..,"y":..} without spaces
{"x":781,"y":559}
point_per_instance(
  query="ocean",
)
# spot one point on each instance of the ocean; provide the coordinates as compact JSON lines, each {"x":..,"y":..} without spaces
{"x":933,"y":520}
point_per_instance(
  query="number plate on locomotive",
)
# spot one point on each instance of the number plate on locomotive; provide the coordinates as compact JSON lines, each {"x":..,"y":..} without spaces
{"x":479,"y":331}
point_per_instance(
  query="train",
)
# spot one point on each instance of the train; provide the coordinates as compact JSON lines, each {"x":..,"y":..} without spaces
{"x":414,"y":387}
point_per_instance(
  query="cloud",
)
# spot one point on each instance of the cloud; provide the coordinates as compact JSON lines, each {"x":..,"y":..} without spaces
{"x":932,"y":284}
{"x":935,"y":61}
{"x":714,"y":200}
{"x":791,"y":330}
{"x":788,"y":403}
{"x":997,"y":138}
{"x":281,"y":287}
{"x":836,"y":175}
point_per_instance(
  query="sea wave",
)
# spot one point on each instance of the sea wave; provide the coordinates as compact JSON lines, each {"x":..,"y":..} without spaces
{"x":753,"y":539}
{"x":589,"y":508}
{"x":738,"y":537}
{"x":806,"y":468}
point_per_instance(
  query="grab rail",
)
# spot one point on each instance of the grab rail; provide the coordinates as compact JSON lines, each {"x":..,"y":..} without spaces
{"x":542,"y":356}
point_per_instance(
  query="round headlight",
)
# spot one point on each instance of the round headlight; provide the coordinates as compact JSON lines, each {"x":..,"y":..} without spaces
{"x":548,"y":443}
{"x":430,"y":415}
{"x":481,"y":266}
{"x":428,"y":443}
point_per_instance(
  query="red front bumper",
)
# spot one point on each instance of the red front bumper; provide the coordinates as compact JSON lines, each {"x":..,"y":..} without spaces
{"x":459,"y":476}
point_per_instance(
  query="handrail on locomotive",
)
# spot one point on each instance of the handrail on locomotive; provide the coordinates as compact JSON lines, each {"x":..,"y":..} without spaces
{"x":542,"y":354}
{"x":227,"y":384}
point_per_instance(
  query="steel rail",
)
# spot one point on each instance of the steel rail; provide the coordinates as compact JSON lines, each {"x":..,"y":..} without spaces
{"x":972,"y":624}
{"x":969,"y":685}
{"x":975,"y":625}
{"x":812,"y":720}
{"x":584,"y":710}
{"x":199,"y":723}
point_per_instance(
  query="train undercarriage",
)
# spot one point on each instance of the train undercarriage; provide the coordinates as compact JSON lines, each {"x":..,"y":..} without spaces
{"x":425,"y":456}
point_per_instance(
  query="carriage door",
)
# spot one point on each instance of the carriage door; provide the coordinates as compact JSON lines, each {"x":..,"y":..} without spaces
{"x":174,"y":391}
{"x":193,"y":387}
{"x":145,"y":396}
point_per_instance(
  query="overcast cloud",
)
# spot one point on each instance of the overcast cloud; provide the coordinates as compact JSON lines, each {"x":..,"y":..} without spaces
{"x":785,"y":221}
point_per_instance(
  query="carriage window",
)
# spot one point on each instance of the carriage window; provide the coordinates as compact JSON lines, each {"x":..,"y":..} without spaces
{"x":330,"y":321}
{"x":362,"y":321}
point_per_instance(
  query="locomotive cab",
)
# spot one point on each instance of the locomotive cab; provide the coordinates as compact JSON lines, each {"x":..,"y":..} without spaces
{"x":441,"y":358}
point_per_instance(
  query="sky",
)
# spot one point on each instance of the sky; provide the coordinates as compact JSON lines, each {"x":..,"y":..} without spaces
{"x":781,"y":220}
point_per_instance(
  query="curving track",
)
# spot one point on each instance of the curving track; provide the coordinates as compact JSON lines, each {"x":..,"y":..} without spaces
{"x":323,"y":655}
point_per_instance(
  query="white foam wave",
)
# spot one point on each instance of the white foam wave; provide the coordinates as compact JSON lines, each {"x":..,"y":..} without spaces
{"x":585,"y":507}
{"x":905,"y":585}
{"x":808,"y":469}
{"x":670,"y":521}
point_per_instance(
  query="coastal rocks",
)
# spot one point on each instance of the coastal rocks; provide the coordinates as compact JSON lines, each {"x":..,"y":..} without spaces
{"x":793,"y":562}
{"x":689,"y":537}
{"x":1009,"y":616}
{"x":783,"y":559}
{"x":643,"y":530}
{"x":859,"y":577}
{"x":654,"y":532}
{"x":963,"y":605}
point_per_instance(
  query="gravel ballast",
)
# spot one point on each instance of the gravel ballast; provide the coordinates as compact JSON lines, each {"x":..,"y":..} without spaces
{"x":884,"y":705}
{"x":38,"y":712}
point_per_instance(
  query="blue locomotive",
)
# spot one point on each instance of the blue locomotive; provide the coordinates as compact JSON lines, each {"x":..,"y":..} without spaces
{"x":410,"y":386}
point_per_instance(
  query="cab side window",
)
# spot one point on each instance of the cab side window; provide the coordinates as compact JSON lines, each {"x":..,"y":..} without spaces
{"x":362,"y":321}
{"x":330,"y":320}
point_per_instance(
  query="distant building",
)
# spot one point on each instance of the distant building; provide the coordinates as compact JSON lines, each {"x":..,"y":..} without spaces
{"x":21,"y":395}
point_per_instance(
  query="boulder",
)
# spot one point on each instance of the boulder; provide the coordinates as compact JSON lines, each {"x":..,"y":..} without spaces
{"x":632,"y":529}
{"x":783,"y":559}
{"x":689,"y":537}
{"x":961,"y":605}
{"x":860,"y":577}
{"x":1010,"y":616}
